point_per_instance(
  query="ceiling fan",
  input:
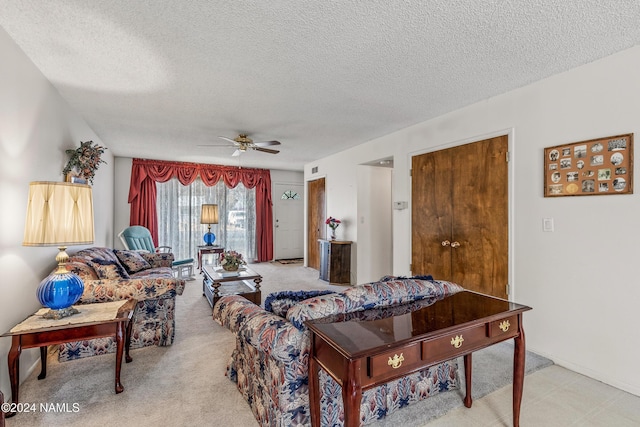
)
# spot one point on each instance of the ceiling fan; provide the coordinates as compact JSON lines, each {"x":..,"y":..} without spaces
{"x":243,"y":143}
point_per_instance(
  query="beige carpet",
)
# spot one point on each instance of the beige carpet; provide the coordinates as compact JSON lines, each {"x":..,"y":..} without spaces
{"x":185,"y":385}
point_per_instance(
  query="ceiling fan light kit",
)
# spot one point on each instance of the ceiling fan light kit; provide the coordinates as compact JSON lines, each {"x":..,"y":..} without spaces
{"x":242,"y":143}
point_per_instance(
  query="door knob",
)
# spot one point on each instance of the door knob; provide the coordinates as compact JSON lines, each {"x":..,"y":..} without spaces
{"x":446,"y":243}
{"x":455,"y":244}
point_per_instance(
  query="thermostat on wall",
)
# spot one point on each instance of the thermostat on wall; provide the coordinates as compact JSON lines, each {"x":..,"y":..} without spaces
{"x":400,"y":205}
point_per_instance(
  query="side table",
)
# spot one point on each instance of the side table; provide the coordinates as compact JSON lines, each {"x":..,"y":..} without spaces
{"x":109,"y":319}
{"x":206,"y":249}
{"x":1,"y":411}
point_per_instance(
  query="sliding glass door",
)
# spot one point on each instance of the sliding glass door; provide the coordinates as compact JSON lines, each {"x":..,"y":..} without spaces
{"x":179,"y":217}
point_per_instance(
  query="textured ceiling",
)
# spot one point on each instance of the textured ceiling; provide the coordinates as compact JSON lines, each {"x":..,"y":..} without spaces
{"x":155,"y":79}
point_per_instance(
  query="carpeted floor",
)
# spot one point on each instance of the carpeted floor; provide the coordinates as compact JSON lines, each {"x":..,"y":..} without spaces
{"x":184,"y":384}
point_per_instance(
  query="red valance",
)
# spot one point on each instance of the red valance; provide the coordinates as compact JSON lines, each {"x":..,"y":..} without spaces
{"x":143,"y":193}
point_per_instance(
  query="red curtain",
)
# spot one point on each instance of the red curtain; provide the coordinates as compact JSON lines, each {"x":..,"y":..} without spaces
{"x":143,"y":193}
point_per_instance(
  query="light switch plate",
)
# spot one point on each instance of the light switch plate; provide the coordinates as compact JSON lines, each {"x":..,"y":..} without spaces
{"x":547,"y":224}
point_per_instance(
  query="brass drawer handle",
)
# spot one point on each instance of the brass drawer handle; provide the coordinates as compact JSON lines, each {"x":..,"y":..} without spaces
{"x":504,"y":326}
{"x":446,"y":243}
{"x":455,"y":245}
{"x":457,"y":341}
{"x":396,"y":362}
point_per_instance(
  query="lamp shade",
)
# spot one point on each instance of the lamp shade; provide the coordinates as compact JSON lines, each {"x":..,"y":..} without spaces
{"x":209,"y":214}
{"x":59,"y":214}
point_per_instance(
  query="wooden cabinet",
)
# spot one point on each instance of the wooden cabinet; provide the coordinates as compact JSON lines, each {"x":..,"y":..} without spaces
{"x":335,"y":261}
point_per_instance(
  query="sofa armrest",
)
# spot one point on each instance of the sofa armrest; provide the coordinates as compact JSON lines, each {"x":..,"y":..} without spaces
{"x":232,"y":311}
{"x":268,"y":333}
{"x":276,"y":338}
{"x":121,"y":289}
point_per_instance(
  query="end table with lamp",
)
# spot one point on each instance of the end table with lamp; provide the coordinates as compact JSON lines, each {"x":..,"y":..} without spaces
{"x":107,"y":319}
{"x":208,"y":215}
{"x":207,"y":250}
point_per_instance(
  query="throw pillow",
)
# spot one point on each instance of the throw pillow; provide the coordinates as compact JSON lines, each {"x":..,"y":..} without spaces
{"x":280,"y":302}
{"x":84,"y":271}
{"x":132,"y":261}
{"x":109,"y":270}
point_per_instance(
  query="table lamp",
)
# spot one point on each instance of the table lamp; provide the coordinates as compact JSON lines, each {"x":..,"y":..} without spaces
{"x":59,"y":214}
{"x":209,"y":215}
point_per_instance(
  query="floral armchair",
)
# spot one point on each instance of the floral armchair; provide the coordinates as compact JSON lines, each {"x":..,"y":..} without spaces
{"x":112,"y":275}
{"x":270,"y":361}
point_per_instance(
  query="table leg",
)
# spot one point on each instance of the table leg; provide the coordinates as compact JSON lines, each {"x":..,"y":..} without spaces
{"x":314,"y":389}
{"x":216,"y":292}
{"x":127,"y":340}
{"x":518,"y":372}
{"x":200,"y":260}
{"x":468,"y":367}
{"x":119,"y":350}
{"x":13,"y":359}
{"x":257,"y":281}
{"x":352,"y":395}
{"x":43,"y":363}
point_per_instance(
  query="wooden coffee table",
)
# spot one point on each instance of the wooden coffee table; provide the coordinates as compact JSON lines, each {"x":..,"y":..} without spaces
{"x":111,"y":319}
{"x":245,"y":283}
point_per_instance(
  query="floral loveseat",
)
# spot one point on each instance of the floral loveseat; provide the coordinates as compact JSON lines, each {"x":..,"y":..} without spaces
{"x":111,"y":275}
{"x":270,"y":361}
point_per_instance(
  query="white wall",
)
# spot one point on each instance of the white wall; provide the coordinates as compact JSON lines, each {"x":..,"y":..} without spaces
{"x":374,"y":249}
{"x":580,"y":279}
{"x":36,"y":127}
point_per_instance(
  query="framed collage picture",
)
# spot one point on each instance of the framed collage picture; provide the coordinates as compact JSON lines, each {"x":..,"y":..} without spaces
{"x":589,"y":168}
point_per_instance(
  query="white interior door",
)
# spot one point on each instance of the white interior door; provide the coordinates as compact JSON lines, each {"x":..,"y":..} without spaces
{"x":288,"y":201}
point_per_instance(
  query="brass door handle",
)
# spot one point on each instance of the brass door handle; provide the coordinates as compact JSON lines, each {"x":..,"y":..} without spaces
{"x":446,"y":243}
{"x":455,"y":245}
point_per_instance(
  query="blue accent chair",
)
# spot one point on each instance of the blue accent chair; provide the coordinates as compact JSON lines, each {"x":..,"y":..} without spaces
{"x":138,"y":238}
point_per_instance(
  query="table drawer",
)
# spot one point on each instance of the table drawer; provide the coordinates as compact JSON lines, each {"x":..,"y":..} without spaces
{"x":394,"y":362}
{"x":453,"y":345}
{"x":506,"y":327}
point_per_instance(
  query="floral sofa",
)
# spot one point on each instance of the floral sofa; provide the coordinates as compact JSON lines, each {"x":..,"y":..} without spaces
{"x":111,"y":275}
{"x":270,"y":361}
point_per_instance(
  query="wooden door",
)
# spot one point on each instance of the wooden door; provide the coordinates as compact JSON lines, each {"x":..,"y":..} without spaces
{"x":460,"y":215}
{"x":315,"y":221}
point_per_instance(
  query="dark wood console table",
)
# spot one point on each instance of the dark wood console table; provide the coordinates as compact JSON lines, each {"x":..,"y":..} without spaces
{"x":454,"y":326}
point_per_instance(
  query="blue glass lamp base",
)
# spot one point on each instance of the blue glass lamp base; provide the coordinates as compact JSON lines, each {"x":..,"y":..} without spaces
{"x":59,"y":292}
{"x":209,"y":238}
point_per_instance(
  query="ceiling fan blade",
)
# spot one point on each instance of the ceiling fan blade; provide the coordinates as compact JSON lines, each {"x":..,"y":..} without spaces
{"x":236,"y":153}
{"x":229,"y":139}
{"x":266,"y":150}
{"x":213,"y":145}
{"x":266,"y":143}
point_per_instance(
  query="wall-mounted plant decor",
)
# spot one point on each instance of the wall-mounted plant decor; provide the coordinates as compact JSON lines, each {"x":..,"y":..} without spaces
{"x":83,"y":162}
{"x":590,"y":168}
